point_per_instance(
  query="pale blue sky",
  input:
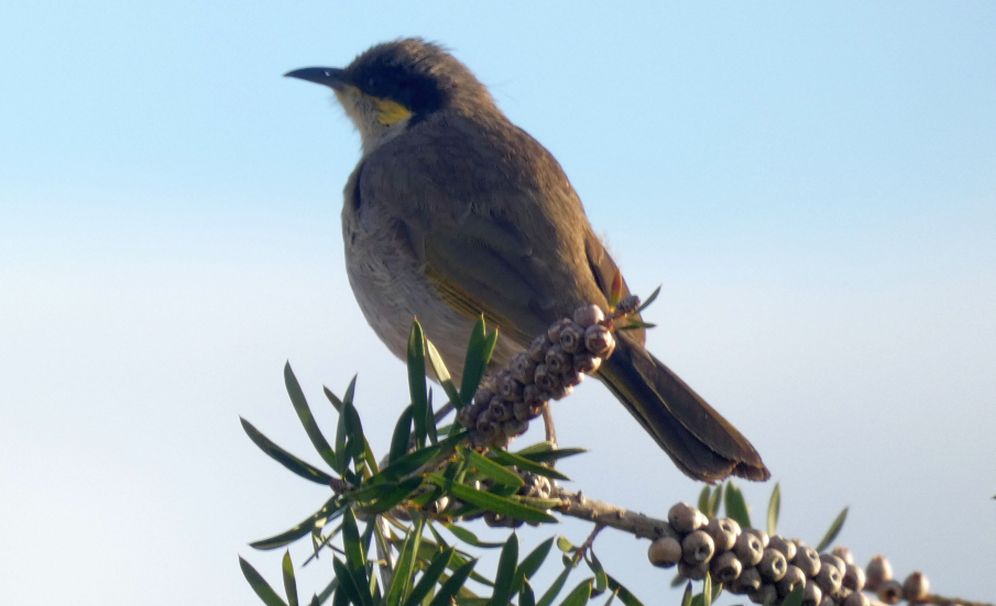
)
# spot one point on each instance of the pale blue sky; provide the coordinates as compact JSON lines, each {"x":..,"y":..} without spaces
{"x":813,"y":185}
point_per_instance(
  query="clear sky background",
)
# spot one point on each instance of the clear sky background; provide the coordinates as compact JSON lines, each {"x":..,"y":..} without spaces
{"x":813,"y":184}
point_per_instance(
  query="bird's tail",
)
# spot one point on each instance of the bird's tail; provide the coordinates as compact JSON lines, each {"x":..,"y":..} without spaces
{"x":701,"y":442}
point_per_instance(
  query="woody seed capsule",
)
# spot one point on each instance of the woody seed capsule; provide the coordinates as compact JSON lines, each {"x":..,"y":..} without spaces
{"x":520,"y":410}
{"x":788,"y":548}
{"x":829,"y":577}
{"x":537,"y":349}
{"x":748,"y":549}
{"x":890,"y":592}
{"x":760,"y":534}
{"x":854,"y":578}
{"x":553,"y":333}
{"x":523,"y":368}
{"x":697,"y":547}
{"x":772,"y":565}
{"x":794,"y":577}
{"x":599,"y":341}
{"x":832,"y":560}
{"x":749,"y":580}
{"x":586,"y":363}
{"x":812,"y":595}
{"x":725,"y":567}
{"x":856,"y":598}
{"x":514,"y":427}
{"x":588,"y":315}
{"x":915,"y":587}
{"x":878,"y":571}
{"x":572,"y":338}
{"x":664,"y":552}
{"x":558,"y":362}
{"x":500,"y":410}
{"x":808,"y":561}
{"x":544,"y":379}
{"x":843,"y":553}
{"x":684,"y":518}
{"x":765,"y":594}
{"x":724,"y":532}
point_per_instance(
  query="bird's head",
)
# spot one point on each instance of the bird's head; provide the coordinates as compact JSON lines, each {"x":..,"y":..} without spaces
{"x":396,"y":84}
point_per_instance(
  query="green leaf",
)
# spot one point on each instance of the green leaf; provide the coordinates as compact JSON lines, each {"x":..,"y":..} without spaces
{"x":543,"y":452}
{"x":625,"y":595}
{"x":774,"y":507}
{"x":259,"y":585}
{"x":526,"y":596}
{"x":328,"y":591}
{"x":341,"y":441}
{"x":429,"y":578}
{"x":332,"y":509}
{"x":278,"y":454}
{"x":479,"y":352}
{"x":531,"y":564}
{"x":555,"y":588}
{"x":565,"y":545}
{"x":736,"y":507}
{"x":704,"y":501}
{"x":833,"y":531}
{"x":443,"y":374}
{"x":404,"y":570}
{"x":795,"y":597}
{"x":355,"y":588}
{"x":717,"y":498}
{"x":686,"y":597}
{"x":402,"y":434}
{"x":525,"y":464}
{"x":506,"y":506}
{"x":398,"y":493}
{"x":707,"y":590}
{"x":341,"y":596}
{"x":290,"y":585}
{"x":354,"y":431}
{"x":430,"y":421}
{"x":453,"y":584}
{"x":650,"y":299}
{"x":506,"y":572}
{"x":351,"y":545}
{"x":487,"y":467}
{"x":579,"y":595}
{"x":470,"y":538}
{"x":304,"y":414}
{"x":416,"y":381}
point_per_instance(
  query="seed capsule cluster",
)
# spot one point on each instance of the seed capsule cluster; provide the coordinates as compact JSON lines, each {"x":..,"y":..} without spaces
{"x":554,"y":363}
{"x":768,"y":568}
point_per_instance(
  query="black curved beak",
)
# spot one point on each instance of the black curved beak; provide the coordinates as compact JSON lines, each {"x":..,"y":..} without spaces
{"x":332,"y":77}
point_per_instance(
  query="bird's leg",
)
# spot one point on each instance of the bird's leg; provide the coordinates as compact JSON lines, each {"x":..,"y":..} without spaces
{"x":551,"y":432}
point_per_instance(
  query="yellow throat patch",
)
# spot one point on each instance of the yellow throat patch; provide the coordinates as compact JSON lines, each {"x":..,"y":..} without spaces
{"x":391,"y":112}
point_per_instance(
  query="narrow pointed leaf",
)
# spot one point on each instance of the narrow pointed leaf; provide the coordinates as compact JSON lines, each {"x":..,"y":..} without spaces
{"x":525,"y":464}
{"x":334,"y":399}
{"x":304,"y":414}
{"x":351,"y":544}
{"x":453,"y":584}
{"x":833,"y":531}
{"x":704,"y":501}
{"x":332,"y":509}
{"x":531,"y":563}
{"x":650,"y":300}
{"x":354,"y":430}
{"x":686,"y":597}
{"x":470,"y":538}
{"x":430,"y":421}
{"x":259,"y":585}
{"x":416,"y":381}
{"x":290,"y":585}
{"x":774,"y":507}
{"x":328,"y":591}
{"x":580,"y":595}
{"x":492,"y":470}
{"x":354,"y":587}
{"x":507,"y":506}
{"x":707,"y":590}
{"x":506,"y":573}
{"x":430,"y":577}
{"x":543,"y":453}
{"x":400,"y":491}
{"x":555,"y":588}
{"x":717,"y":498}
{"x":442,"y":374}
{"x":736,"y":507}
{"x":404,"y":571}
{"x":474,"y":363}
{"x":625,"y":595}
{"x":278,"y":454}
{"x":402,"y":434}
{"x":526,"y":596}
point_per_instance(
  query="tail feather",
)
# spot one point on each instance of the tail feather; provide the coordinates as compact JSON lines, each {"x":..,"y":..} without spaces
{"x":703,"y":444}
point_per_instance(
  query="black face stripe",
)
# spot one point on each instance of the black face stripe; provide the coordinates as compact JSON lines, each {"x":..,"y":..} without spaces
{"x":399,"y":76}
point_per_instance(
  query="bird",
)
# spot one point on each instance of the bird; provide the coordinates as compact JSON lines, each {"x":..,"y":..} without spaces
{"x":453,"y":211}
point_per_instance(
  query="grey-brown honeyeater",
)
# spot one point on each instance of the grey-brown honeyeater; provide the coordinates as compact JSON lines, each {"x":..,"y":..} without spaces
{"x":454,"y":211}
